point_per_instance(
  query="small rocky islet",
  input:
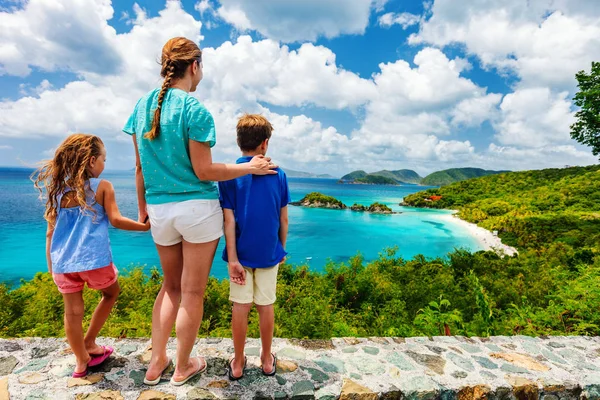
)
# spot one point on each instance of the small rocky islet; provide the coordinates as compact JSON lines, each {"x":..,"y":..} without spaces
{"x":320,"y":200}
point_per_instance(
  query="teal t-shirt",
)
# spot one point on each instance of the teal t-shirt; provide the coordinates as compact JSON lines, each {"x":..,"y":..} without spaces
{"x":166,"y":165}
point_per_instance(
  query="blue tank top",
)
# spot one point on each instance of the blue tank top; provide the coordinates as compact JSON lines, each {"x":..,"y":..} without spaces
{"x":80,"y":241}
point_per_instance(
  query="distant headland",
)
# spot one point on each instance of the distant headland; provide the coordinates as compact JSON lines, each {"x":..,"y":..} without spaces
{"x":410,"y":177}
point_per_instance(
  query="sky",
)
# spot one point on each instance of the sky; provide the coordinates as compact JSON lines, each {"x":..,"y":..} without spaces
{"x":361,"y":84}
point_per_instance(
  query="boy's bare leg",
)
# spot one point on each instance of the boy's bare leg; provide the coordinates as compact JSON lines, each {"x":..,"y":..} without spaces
{"x":165,"y":307}
{"x":197,"y":261}
{"x":101,"y":313}
{"x":239,"y":327}
{"x":267,"y":321}
{"x":74,"y":310}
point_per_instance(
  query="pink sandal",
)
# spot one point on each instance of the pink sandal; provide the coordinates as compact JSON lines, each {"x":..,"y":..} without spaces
{"x":99,"y":359}
{"x":80,"y":374}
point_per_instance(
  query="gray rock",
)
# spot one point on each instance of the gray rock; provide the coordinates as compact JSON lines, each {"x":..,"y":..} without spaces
{"x":252,"y":351}
{"x":280,"y":395}
{"x":138,"y":377}
{"x":435,"y":349}
{"x":485,"y":362}
{"x":303,"y":390}
{"x":399,"y":361}
{"x":459,"y":374}
{"x":330,"y":364}
{"x":435,"y":363}
{"x":349,"y":349}
{"x":212,"y":340}
{"x":126,"y":349}
{"x":34,"y":365}
{"x":513,"y":368}
{"x":470,"y":348}
{"x":371,"y":350}
{"x":200,"y":394}
{"x":7,"y":364}
{"x":316,"y":375}
{"x":280,"y":379}
{"x":108,"y":365}
{"x":9,"y":346}
{"x":39,"y":352}
{"x":289,"y":352}
{"x":368,"y":366}
{"x":461,"y":362}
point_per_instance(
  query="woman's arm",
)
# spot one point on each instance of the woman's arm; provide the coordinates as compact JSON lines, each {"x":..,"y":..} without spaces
{"x":49,"y":233}
{"x":106,"y":193}
{"x":139,"y":185}
{"x":206,"y":170}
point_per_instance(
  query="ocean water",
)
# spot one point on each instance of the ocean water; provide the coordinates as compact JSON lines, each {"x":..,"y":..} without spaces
{"x":315,"y":236}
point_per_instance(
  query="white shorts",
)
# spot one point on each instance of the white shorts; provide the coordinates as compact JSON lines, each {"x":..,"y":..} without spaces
{"x":195,"y":221}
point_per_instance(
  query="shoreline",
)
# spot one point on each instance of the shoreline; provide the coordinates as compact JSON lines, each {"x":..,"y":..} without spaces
{"x":485,"y":238}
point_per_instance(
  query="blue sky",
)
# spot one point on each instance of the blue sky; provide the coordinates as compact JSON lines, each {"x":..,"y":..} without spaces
{"x":369,"y":84}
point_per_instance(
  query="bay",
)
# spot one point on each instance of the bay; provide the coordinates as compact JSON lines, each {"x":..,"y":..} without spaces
{"x":316,"y":236}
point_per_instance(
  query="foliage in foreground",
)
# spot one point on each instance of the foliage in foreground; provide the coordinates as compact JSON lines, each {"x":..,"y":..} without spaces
{"x":469,"y":294}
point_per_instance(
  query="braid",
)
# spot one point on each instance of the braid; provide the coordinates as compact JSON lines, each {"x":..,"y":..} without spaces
{"x":155,"y":130}
{"x":177,"y":55}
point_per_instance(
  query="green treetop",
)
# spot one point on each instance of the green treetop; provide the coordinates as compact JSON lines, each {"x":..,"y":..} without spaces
{"x":586,"y":130}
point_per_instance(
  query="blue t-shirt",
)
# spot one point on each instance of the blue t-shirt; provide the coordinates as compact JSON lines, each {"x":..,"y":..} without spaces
{"x":80,"y":240}
{"x":256,"y":202}
{"x":166,"y":165}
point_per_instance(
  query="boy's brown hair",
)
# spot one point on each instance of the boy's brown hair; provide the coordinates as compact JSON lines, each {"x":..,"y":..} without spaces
{"x":252,"y":130}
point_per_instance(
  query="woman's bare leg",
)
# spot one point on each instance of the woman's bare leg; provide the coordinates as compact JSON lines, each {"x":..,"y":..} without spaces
{"x":165,"y":307}
{"x":197,"y":261}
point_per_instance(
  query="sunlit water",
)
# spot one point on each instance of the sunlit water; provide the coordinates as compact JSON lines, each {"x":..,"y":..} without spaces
{"x":315,"y":236}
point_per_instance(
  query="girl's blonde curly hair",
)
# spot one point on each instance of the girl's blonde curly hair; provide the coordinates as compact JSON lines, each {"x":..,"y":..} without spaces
{"x":67,"y":171}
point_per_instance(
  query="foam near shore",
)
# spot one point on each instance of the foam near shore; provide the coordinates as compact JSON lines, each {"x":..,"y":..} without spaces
{"x":485,"y":238}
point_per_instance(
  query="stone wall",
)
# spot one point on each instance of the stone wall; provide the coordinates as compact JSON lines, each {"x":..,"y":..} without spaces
{"x":550,"y":368}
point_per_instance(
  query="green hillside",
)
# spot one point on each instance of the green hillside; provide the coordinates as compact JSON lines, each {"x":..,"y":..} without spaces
{"x":452,"y":175}
{"x":354,"y":175}
{"x":401,"y":175}
{"x":530,"y":209}
{"x":376,"y":180}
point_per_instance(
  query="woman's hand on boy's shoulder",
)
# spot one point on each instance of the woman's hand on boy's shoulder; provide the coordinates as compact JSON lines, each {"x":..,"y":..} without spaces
{"x":237,"y":273}
{"x":261,"y":165}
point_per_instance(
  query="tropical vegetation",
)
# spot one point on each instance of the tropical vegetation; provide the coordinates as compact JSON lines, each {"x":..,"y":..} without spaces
{"x":551,"y":287}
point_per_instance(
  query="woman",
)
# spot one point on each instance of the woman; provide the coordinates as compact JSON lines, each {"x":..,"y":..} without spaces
{"x":172,"y":135}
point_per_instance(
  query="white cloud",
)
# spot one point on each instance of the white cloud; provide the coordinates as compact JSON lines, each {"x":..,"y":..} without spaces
{"x":543,"y":41}
{"x":474,"y":111}
{"x":404,"y":19}
{"x":409,"y":113}
{"x":515,"y":158}
{"x":203,"y":6}
{"x":299,"y":20}
{"x":71,"y":34}
{"x":265,"y":71}
{"x":5,"y":147}
{"x":534,"y":117}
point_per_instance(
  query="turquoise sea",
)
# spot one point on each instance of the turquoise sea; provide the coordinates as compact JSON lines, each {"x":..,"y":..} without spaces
{"x":316,"y":235}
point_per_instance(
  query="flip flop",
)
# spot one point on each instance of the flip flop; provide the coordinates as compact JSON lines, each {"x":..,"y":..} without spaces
{"x":230,"y":370}
{"x":99,"y":359}
{"x":80,"y":374}
{"x":274,"y":367}
{"x":155,"y":382}
{"x":199,"y":371}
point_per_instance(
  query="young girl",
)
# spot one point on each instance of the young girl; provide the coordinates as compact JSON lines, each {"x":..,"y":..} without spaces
{"x":79,"y":207}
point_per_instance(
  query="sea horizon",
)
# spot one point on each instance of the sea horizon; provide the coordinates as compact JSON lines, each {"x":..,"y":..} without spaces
{"x":317,"y":236}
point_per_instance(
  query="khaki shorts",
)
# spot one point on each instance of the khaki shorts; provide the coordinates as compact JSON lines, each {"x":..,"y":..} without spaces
{"x":260,"y":287}
{"x":195,"y":221}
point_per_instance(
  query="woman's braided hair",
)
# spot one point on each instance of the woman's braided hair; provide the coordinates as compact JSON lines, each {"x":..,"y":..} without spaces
{"x":177,"y":55}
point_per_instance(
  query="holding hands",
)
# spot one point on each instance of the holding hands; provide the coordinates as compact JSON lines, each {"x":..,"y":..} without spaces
{"x":237,"y":273}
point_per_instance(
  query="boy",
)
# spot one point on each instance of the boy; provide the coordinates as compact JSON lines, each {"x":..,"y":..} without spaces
{"x":256,"y":226}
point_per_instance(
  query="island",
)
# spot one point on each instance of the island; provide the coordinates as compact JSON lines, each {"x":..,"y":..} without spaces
{"x":320,"y":200}
{"x":410,"y":177}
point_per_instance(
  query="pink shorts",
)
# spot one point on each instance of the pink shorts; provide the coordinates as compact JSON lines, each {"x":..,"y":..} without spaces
{"x":98,"y":279}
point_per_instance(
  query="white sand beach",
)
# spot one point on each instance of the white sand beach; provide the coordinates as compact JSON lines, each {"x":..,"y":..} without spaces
{"x":486,"y":238}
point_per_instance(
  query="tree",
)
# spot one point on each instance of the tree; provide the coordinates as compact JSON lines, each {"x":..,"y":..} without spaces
{"x":586,"y":130}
